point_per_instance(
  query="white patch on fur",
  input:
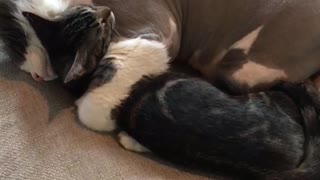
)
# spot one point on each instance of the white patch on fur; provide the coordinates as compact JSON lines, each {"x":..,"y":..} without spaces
{"x":210,"y":69}
{"x":266,"y":74}
{"x":246,"y":42}
{"x":316,"y":82}
{"x":134,"y":59}
{"x":162,"y":93}
{"x":129,"y":143}
{"x":171,"y":40}
{"x":36,"y":58}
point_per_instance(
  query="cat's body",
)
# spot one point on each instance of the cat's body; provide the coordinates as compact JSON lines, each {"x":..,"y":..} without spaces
{"x":187,"y":120}
{"x":129,"y":61}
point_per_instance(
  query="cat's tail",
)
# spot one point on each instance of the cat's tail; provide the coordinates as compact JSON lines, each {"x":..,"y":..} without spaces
{"x":308,"y":100}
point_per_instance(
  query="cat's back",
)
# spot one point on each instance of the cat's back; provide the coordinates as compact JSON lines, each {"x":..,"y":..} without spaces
{"x":188,"y":119}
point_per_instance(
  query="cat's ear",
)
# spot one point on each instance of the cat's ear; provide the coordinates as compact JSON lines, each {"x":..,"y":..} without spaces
{"x":78,"y":68}
{"x":85,"y":61}
{"x":88,"y":53}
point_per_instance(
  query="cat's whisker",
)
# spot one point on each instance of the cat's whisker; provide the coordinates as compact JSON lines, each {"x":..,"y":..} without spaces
{"x":115,"y":32}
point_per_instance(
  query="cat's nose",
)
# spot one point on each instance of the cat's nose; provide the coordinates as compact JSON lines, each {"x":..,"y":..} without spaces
{"x":103,"y":12}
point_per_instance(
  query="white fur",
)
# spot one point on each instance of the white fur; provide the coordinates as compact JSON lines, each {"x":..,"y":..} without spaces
{"x":247,"y":41}
{"x":134,"y":58}
{"x":131,"y":144}
{"x":37,"y":60}
{"x":245,"y":44}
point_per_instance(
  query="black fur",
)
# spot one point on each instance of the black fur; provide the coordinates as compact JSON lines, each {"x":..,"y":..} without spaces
{"x":11,"y":32}
{"x":194,"y":123}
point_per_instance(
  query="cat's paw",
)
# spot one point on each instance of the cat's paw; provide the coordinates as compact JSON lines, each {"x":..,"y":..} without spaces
{"x":93,"y":112}
{"x":131,"y":144}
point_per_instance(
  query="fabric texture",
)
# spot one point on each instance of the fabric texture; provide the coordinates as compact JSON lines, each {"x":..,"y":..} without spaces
{"x":40,"y":138}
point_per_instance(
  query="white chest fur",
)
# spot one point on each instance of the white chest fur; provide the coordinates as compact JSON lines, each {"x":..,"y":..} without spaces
{"x":134,"y":58}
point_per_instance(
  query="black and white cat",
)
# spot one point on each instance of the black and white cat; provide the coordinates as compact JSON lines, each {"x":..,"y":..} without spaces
{"x":22,"y":42}
{"x":267,"y":135}
{"x":19,"y":38}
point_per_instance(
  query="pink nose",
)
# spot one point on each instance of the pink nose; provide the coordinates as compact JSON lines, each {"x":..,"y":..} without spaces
{"x":36,"y":77}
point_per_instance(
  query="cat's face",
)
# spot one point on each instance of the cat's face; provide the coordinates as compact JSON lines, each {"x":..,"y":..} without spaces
{"x":75,"y":40}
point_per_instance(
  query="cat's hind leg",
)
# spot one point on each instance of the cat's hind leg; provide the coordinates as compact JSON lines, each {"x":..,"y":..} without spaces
{"x":130,"y":143}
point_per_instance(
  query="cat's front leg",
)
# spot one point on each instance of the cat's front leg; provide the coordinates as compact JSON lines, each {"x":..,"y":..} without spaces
{"x":95,"y":107}
{"x":126,"y":63}
{"x":95,"y":113}
{"x":130,"y":144}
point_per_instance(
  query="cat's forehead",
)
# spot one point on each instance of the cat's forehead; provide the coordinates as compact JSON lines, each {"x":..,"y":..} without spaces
{"x":76,"y":10}
{"x":83,"y":13}
{"x":84,"y":8}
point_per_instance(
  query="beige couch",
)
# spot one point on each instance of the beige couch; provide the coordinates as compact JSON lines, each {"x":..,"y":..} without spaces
{"x":40,"y":138}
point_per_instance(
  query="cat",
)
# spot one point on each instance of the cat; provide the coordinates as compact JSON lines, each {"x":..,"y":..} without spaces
{"x":75,"y":41}
{"x":20,"y":40}
{"x":187,"y":120}
{"x":23,"y":43}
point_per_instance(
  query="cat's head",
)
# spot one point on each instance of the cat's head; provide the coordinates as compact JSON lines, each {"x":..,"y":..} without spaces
{"x":75,"y":39}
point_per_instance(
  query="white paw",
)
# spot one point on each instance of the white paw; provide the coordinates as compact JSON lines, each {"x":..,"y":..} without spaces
{"x":131,"y":144}
{"x":94,"y":113}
